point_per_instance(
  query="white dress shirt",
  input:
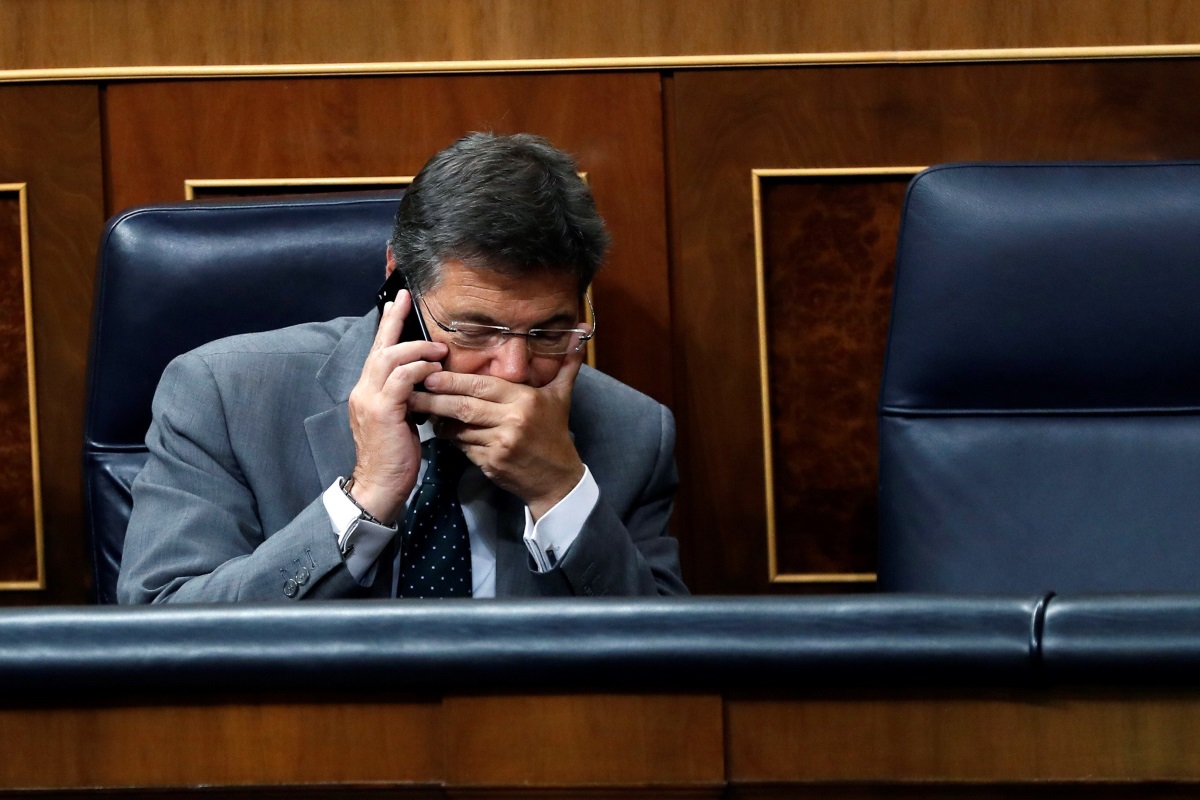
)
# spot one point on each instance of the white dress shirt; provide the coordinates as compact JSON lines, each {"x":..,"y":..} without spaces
{"x":547,"y":539}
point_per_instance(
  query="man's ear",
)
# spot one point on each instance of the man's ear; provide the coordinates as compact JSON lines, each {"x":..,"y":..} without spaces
{"x":391,"y":262}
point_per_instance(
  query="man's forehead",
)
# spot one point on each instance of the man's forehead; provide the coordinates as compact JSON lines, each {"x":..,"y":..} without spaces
{"x":456,"y":279}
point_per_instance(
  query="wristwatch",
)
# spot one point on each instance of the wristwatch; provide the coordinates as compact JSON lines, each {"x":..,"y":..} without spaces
{"x":346,"y":514}
{"x":345,"y":485}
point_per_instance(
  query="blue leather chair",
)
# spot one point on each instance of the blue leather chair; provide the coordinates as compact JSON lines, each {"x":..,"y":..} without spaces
{"x":171,"y":278}
{"x":1038,"y":417}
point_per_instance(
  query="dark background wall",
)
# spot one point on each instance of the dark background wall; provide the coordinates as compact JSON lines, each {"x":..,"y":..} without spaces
{"x":750,"y":157}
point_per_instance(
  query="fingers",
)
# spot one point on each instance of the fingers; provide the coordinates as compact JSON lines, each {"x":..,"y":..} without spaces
{"x":382,"y":363}
{"x":387,"y":353}
{"x":462,"y":434}
{"x":564,"y":381}
{"x":405,"y":376}
{"x":484,"y":387}
{"x":391,"y":322}
{"x":469,"y":410}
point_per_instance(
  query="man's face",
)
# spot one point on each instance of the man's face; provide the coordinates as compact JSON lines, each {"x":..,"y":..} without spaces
{"x":483,"y":297}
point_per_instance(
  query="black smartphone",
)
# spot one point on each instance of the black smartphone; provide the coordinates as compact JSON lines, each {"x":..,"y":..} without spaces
{"x":414,"y":326}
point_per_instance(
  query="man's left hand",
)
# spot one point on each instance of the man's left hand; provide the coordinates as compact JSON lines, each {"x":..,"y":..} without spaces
{"x":516,"y":434}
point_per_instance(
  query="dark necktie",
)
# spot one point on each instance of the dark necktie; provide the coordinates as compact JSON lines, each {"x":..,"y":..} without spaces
{"x":436,"y":556}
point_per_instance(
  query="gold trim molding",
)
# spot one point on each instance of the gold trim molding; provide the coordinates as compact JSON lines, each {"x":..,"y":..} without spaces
{"x":21,"y":190}
{"x":192,"y":71}
{"x":756,"y":176}
{"x":190,"y":185}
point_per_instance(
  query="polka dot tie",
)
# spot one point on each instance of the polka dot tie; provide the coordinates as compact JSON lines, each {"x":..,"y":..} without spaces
{"x":436,"y":556}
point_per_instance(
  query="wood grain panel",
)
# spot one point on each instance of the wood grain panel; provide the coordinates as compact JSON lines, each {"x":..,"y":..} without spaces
{"x":728,"y":123}
{"x":986,"y":24}
{"x":987,"y":737}
{"x":420,"y":33}
{"x":20,"y":528}
{"x":50,"y":140}
{"x":243,"y":189}
{"x":79,"y":33}
{"x":565,"y":740}
{"x":189,"y":745}
{"x":163,"y":133}
{"x":1046,"y":790}
{"x":473,"y":746}
{"x":829,"y":248}
{"x":941,"y":24}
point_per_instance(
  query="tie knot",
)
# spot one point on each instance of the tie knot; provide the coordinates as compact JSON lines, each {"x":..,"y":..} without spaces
{"x":445,"y":461}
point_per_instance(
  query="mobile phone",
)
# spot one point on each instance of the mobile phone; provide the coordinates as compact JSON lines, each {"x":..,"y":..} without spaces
{"x":414,"y":329}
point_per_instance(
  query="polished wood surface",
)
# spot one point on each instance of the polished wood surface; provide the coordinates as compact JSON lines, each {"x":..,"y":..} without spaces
{"x":981,"y":743}
{"x":18,"y":526}
{"x":981,"y":737}
{"x":829,"y":247}
{"x":526,"y":742}
{"x":65,"y":34}
{"x":952,"y":24}
{"x":181,"y":745}
{"x":727,"y":123}
{"x":566,"y":740}
{"x":162,"y":134}
{"x":50,"y":141}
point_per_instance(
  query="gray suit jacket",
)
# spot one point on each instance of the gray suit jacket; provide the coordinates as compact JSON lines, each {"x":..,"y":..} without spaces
{"x":247,"y":432}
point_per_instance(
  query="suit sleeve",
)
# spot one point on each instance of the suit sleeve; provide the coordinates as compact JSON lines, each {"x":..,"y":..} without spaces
{"x":631,"y":554}
{"x":194,"y":534}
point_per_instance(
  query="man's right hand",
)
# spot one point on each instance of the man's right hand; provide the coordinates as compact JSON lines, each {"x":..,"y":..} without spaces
{"x":385,"y":439}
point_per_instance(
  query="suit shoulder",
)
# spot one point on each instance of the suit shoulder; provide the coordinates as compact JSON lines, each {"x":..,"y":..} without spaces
{"x":600,"y":395}
{"x":310,"y":338}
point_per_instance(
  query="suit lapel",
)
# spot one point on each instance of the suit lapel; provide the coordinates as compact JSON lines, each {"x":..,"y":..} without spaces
{"x":328,"y":431}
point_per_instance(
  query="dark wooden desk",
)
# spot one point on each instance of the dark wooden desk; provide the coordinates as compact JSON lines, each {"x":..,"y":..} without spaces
{"x":891,"y":744}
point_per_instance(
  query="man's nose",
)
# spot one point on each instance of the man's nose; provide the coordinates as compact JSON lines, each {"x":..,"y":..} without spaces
{"x":511,"y":360}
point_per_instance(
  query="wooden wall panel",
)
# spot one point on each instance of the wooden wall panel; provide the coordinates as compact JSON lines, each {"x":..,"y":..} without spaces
{"x":977,"y":737}
{"x":50,"y":141}
{"x":161,"y":134}
{"x":66,"y":34}
{"x":829,"y":245}
{"x":986,"y":24}
{"x":78,"y":33}
{"x":590,"y":746}
{"x":728,"y":123}
{"x":564,"y":740}
{"x":176,"y":744}
{"x":891,"y":743}
{"x":20,"y":525}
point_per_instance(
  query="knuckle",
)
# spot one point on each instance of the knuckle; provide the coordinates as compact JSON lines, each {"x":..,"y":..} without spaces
{"x":506,"y":440}
{"x":464,"y":411}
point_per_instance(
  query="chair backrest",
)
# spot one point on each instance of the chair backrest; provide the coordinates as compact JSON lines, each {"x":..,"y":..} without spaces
{"x":171,"y":278}
{"x":1038,"y":417}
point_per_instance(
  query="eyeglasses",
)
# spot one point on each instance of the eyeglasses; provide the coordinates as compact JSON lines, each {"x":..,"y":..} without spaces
{"x":539,"y":341}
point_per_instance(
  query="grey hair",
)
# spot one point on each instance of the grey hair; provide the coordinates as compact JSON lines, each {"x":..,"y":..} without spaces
{"x":511,"y":204}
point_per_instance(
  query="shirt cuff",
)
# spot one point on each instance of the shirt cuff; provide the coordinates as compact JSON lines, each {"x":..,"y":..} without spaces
{"x":360,"y":540}
{"x":551,"y":536}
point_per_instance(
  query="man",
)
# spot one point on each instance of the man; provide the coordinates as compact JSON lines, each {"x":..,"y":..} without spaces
{"x":290,"y":464}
